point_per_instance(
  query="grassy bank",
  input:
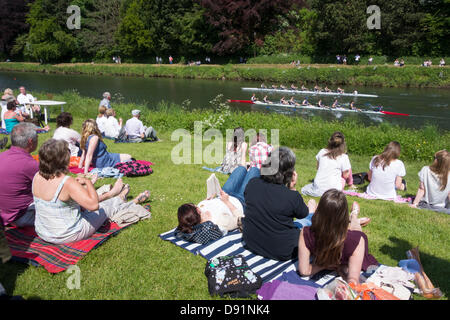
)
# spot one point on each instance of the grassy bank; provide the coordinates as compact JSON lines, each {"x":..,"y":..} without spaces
{"x":295,"y":132}
{"x":383,"y":76}
{"x":136,"y":264}
{"x":284,"y":58}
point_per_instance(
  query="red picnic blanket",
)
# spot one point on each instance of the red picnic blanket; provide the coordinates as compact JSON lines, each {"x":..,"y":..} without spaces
{"x":26,"y":246}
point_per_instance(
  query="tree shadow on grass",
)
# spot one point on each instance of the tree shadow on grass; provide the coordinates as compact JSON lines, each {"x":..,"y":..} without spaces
{"x":437,"y":269}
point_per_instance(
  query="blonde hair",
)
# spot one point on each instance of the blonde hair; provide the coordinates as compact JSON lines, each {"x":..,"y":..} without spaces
{"x":102,"y":110}
{"x":89,"y":128}
{"x":110,"y":113}
{"x":9,"y":92}
{"x":441,"y":167}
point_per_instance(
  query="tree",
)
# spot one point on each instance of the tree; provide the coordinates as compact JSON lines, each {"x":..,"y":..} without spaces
{"x":13,"y":23}
{"x":241,"y":23}
{"x":49,"y":38}
{"x":101,"y":22}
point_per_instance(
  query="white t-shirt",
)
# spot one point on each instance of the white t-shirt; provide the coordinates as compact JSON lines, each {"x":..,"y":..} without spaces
{"x":4,"y":109}
{"x":382,"y":185}
{"x":433,"y":194}
{"x":112,"y":127}
{"x":22,"y":98}
{"x":71,"y":136}
{"x":101,"y":123}
{"x":134,"y":128}
{"x":221,"y":215}
{"x":329,"y":174}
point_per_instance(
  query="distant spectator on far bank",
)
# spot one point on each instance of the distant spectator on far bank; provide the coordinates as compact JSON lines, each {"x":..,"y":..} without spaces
{"x":106,"y":100}
{"x":357,"y":58}
{"x":402,"y":63}
{"x":370,"y":61}
{"x":442,"y":63}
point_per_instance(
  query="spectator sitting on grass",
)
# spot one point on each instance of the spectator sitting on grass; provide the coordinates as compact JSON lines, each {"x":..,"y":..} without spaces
{"x":136,"y":131}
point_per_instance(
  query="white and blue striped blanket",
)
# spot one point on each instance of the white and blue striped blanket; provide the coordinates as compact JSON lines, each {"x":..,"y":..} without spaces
{"x":232,"y":244}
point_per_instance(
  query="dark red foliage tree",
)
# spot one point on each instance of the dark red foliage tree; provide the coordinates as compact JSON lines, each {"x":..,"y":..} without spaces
{"x":12,"y":13}
{"x":241,"y":23}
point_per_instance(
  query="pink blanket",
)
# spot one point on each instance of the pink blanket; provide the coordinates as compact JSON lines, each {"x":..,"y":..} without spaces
{"x":364,"y":195}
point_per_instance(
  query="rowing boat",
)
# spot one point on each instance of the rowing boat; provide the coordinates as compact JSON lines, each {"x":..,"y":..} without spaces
{"x":323,"y":93}
{"x":311,"y":107}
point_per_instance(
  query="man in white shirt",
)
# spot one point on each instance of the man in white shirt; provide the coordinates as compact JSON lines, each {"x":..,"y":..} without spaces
{"x":24,"y":98}
{"x":136,"y":131}
{"x":106,"y":100}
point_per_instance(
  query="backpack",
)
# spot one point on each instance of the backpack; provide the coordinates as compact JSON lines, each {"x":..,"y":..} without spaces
{"x":133,"y":169}
{"x":360,"y":178}
{"x":231,"y":275}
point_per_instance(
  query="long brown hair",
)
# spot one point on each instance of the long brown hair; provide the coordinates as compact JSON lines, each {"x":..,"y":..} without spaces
{"x":336,"y":145}
{"x":390,"y":153}
{"x":441,"y":167}
{"x":89,"y":128}
{"x":330,"y":226}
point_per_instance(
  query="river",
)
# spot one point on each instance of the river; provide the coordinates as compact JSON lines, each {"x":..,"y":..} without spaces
{"x":425,"y":106}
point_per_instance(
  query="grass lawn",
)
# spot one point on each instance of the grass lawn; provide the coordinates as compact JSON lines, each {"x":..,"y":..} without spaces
{"x":136,"y":264}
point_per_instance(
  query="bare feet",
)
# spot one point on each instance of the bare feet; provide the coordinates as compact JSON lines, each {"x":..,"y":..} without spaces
{"x":117,"y":188}
{"x":125,"y":191}
{"x":142,"y":197}
{"x":355,"y":212}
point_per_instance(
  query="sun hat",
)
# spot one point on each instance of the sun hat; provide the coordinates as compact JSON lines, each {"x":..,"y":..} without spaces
{"x":136,"y":112}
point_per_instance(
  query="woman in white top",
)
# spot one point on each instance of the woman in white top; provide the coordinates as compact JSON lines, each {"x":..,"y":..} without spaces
{"x":112,"y":126}
{"x":333,"y":168}
{"x":69,"y":209}
{"x":434,"y":189}
{"x":386,"y":173}
{"x":101,"y":119}
{"x":63,"y":132}
{"x":236,"y":153}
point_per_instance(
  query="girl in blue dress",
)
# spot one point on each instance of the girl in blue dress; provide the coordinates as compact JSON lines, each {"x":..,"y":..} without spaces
{"x":95,"y":151}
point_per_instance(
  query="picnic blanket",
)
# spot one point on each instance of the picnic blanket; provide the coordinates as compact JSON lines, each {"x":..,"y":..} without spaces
{"x":232,"y":244}
{"x":27,"y":247}
{"x":38,"y":131}
{"x":364,"y":195}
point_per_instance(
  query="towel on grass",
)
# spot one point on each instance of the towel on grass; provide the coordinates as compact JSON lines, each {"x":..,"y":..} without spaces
{"x":232,"y":244}
{"x":364,"y":195}
{"x":27,"y":247}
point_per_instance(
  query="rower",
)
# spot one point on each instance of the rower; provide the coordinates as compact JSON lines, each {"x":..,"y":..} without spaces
{"x":335,"y":104}
{"x":267,"y":100}
{"x":317,"y":88}
{"x":304,"y":88}
{"x":305,"y":102}
{"x":254,"y":98}
{"x":326,"y":89}
{"x":282,"y":87}
{"x":340,"y":90}
{"x":355,"y":93}
{"x":379,"y":108}
{"x":263,"y":86}
{"x":352,"y":106}
{"x":293,"y":87}
{"x":320,"y":104}
{"x":292,"y":102}
{"x":274,"y":87}
{"x":283,"y":101}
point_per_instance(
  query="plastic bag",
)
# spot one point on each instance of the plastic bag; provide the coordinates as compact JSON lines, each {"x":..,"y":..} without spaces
{"x":370,"y":291}
{"x":336,"y":290}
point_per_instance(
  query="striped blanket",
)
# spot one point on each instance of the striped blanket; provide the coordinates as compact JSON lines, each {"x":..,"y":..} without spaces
{"x":27,"y":247}
{"x":232,"y":244}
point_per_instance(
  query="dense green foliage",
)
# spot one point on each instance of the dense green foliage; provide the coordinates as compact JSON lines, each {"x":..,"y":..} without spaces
{"x":139,"y":30}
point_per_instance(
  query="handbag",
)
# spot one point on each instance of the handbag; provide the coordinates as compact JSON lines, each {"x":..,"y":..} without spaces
{"x":231,"y":275}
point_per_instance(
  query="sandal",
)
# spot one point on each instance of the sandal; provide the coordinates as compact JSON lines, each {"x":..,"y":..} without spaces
{"x":125,"y":191}
{"x":144,"y":196}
